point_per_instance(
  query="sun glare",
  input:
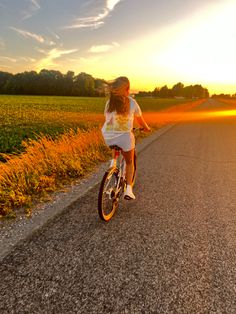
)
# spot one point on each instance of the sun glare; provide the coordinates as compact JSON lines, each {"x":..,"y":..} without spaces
{"x":205,"y":49}
{"x":196,"y":50}
{"x":199,"y":49}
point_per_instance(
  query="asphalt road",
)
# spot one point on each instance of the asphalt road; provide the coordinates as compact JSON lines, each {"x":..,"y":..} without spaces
{"x":172,"y":250}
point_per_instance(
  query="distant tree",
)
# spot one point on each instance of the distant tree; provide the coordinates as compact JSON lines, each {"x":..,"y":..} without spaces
{"x":68,"y":83}
{"x":100,"y":87}
{"x":84,"y":85}
{"x":165,"y":92}
{"x":188,"y":91}
{"x":221,"y":95}
{"x":4,"y":78}
{"x":177,"y":89}
{"x":51,"y":82}
{"x":144,"y":94}
{"x":156,"y":92}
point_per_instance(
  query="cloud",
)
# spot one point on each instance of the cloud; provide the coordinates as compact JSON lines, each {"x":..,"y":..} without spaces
{"x":5,"y":66}
{"x":35,"y":3}
{"x":111,"y":4}
{"x":33,"y":7}
{"x":41,"y":50}
{"x":103,"y":48}
{"x":39,"y":38}
{"x":8,"y":59}
{"x":27,"y":59}
{"x":53,"y":33}
{"x":51,"y":56}
{"x":97,"y":20}
{"x":27,"y":34}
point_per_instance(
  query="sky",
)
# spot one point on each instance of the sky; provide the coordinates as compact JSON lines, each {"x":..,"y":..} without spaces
{"x":152,"y":42}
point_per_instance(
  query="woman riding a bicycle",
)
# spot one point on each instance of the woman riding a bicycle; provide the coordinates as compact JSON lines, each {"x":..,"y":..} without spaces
{"x":120,"y":111}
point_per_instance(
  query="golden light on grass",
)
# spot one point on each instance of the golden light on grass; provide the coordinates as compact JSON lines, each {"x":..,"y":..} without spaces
{"x":46,"y":165}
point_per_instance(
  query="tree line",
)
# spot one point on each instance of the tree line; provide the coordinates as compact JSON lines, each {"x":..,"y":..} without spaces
{"x":51,"y":82}
{"x":178,"y":90}
{"x":227,"y":96}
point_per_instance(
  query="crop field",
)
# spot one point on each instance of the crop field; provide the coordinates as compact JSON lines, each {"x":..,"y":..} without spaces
{"x":47,"y":142}
{"x":25,"y":117}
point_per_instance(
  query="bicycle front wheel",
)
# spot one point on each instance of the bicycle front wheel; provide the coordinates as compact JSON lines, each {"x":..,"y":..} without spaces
{"x":108,"y":195}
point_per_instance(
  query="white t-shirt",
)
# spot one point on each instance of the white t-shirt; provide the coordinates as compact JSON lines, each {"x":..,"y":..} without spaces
{"x":117,"y":124}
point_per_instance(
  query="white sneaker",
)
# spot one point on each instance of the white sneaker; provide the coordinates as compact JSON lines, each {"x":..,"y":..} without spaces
{"x":113,"y":163}
{"x":129,"y":195}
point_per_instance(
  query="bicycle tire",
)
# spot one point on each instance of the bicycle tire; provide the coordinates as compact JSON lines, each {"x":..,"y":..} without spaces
{"x":106,"y":213}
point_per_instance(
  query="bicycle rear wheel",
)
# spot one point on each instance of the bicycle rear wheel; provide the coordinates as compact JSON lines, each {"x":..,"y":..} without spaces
{"x":108,"y":197}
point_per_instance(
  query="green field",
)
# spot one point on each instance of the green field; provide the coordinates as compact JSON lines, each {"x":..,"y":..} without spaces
{"x":24,"y":117}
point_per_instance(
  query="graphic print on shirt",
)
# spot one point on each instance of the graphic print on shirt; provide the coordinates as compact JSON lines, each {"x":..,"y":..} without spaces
{"x":118,"y":123}
{"x":122,"y":123}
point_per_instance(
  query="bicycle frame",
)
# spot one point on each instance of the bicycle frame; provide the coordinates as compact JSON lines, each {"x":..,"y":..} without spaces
{"x":120,"y":165}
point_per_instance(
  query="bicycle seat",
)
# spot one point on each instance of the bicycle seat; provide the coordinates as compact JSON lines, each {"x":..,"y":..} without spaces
{"x":115,"y":147}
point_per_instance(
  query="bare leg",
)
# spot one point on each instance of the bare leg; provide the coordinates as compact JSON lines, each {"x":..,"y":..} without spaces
{"x":129,"y":159}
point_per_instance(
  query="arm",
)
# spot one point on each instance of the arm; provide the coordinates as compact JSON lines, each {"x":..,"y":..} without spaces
{"x":143,"y":123}
{"x":139,"y":117}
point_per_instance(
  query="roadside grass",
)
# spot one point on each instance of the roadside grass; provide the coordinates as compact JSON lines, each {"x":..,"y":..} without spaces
{"x":47,"y":163}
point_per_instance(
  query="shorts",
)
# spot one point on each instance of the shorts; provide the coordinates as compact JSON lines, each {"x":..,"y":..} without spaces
{"x":125,"y":141}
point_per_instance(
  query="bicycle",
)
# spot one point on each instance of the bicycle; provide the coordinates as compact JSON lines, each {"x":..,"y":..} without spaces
{"x":113,"y":184}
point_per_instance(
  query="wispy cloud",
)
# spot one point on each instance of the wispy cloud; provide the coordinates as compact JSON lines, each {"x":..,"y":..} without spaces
{"x":27,"y":34}
{"x":35,"y":3}
{"x":27,"y":59}
{"x":30,"y":11}
{"x":53,"y":33}
{"x":103,"y":48}
{"x":3,"y":58}
{"x":53,"y":54}
{"x":41,"y":50}
{"x":96,"y":20}
{"x":5,"y":66}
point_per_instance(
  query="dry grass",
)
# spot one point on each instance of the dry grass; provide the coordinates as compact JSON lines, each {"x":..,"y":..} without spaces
{"x":47,"y":165}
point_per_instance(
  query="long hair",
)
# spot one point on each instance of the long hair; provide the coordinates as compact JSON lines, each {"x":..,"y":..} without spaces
{"x":118,"y":100}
